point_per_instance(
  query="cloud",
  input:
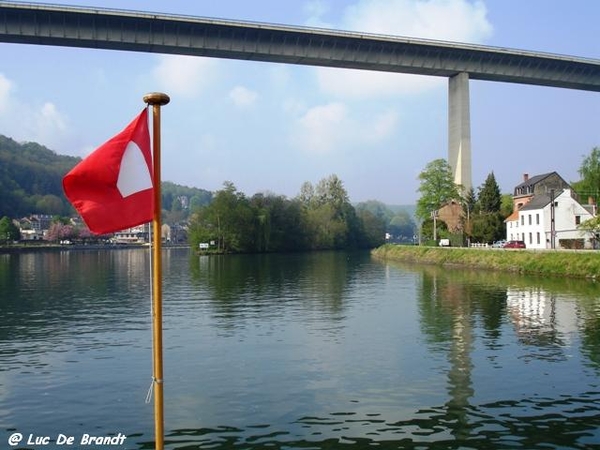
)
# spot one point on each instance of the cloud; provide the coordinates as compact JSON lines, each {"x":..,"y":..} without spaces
{"x":450,"y":20}
{"x":316,"y":9}
{"x":361,"y":84}
{"x":186,"y":76}
{"x":25,"y":122}
{"x":49,"y":122}
{"x":243,"y":97}
{"x":382,"y":126}
{"x":6,"y":87}
{"x":322,"y":128}
{"x":325,"y":129}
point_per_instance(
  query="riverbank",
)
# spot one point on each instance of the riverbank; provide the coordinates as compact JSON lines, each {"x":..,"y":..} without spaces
{"x":576,"y":264}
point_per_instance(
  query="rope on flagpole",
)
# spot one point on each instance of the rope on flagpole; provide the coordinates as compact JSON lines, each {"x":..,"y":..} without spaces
{"x":151,"y":389}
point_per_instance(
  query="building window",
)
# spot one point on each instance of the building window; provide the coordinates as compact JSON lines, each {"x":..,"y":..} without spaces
{"x":529,"y":219}
{"x":577,"y":220}
{"x":537,"y":220}
{"x":530,"y":238}
{"x":522,"y":220}
{"x":538,"y":237}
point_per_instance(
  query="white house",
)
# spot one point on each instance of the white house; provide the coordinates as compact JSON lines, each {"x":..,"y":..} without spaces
{"x":533,"y":222}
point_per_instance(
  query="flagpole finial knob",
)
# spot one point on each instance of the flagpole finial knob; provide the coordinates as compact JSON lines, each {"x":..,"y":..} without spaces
{"x":156,"y":98}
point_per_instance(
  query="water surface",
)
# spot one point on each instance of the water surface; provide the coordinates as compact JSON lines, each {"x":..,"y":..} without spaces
{"x":313,"y":351}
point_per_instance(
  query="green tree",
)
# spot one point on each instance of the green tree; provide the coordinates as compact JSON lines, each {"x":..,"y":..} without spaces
{"x":307,"y":194}
{"x":228,"y":221}
{"x":8,"y":230}
{"x":487,"y":227}
{"x":330,"y":219}
{"x":437,"y":188}
{"x":489,"y":197}
{"x":469,"y":207}
{"x":278,"y":223}
{"x":331,"y":190}
{"x":427,"y":230}
{"x":487,"y":224}
{"x":591,"y":227}
{"x":589,"y":185}
{"x":373,"y":228}
{"x":507,"y":205}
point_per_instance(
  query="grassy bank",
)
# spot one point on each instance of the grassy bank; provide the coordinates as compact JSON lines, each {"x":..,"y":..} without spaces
{"x":578,"y":264}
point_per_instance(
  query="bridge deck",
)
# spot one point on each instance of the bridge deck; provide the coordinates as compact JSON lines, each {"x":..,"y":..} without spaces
{"x":159,"y":33}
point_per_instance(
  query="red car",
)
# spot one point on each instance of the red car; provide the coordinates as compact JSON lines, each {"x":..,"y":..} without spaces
{"x":514,"y":244}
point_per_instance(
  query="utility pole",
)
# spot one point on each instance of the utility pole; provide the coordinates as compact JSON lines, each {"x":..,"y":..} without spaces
{"x":552,"y":224}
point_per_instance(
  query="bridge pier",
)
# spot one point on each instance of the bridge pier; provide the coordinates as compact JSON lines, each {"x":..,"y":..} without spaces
{"x":459,"y":130}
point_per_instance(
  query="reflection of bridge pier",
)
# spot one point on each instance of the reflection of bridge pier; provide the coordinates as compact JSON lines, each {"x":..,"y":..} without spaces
{"x":442,"y":297}
{"x":460,"y":384}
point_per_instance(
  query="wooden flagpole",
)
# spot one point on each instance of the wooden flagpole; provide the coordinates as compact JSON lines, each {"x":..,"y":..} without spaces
{"x":157,"y":99}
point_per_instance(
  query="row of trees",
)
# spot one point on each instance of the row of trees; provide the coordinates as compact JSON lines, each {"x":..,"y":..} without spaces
{"x":319,"y":217}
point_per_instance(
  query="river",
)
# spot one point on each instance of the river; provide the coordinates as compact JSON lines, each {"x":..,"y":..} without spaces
{"x":326,"y":350}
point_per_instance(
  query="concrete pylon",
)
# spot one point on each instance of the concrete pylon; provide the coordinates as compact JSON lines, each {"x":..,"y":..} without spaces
{"x":459,"y":130}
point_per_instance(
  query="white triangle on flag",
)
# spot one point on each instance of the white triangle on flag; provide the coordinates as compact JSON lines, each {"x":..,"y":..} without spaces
{"x":134,"y":175}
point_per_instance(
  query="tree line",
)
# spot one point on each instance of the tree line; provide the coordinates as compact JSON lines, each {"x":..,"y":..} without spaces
{"x":320,"y":217}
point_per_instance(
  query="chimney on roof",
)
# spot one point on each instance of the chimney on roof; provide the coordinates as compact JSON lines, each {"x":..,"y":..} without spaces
{"x":591,"y":200}
{"x":525,"y":177}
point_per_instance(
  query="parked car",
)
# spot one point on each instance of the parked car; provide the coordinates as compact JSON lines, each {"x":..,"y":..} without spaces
{"x":499,"y":244}
{"x":514,"y":244}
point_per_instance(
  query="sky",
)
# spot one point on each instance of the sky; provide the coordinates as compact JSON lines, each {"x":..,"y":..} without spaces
{"x":270,"y":127}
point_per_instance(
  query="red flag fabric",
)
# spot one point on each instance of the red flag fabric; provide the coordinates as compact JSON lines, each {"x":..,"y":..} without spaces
{"x":112,"y":188}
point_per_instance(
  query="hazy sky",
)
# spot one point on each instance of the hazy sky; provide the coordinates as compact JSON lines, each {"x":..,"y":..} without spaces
{"x":270,"y":127}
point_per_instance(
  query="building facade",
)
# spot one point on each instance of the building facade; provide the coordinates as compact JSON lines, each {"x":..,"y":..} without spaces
{"x":550,"y":221}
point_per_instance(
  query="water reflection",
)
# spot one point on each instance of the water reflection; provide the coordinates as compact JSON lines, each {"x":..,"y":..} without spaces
{"x":244,"y":286}
{"x":545,"y":326}
{"x":318,"y":351}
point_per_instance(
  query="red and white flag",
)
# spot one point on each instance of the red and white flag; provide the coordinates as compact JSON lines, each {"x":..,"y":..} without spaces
{"x":112,"y":188}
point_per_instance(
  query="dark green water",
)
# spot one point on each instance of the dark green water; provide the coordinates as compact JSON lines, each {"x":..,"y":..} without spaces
{"x":307,"y":351}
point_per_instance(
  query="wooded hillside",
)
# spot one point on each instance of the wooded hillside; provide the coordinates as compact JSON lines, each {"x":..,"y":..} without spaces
{"x":31,"y":183}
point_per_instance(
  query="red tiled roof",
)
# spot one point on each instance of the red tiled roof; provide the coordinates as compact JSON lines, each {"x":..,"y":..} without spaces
{"x":512,"y":217}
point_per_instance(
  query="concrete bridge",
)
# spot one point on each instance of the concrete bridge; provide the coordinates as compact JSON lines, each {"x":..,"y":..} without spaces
{"x":184,"y":35}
